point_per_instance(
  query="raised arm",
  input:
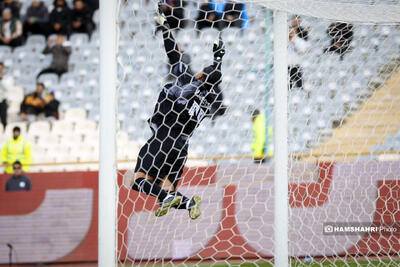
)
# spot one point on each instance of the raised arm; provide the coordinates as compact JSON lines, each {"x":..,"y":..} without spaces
{"x":171,"y":46}
{"x":219,"y":52}
{"x":213,"y":72}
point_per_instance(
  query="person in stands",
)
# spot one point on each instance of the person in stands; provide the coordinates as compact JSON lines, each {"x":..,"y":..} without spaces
{"x":18,"y":181}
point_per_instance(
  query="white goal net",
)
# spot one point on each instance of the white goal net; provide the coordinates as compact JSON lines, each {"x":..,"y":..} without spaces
{"x":343,"y":133}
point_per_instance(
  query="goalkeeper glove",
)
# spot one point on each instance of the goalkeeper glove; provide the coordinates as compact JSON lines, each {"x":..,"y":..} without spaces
{"x":219,"y":49}
{"x":160,"y":18}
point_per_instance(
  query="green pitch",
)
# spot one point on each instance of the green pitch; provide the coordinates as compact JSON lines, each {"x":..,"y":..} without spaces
{"x":349,"y":263}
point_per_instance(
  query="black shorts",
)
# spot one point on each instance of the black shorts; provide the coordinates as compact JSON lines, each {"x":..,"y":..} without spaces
{"x":163,"y":156}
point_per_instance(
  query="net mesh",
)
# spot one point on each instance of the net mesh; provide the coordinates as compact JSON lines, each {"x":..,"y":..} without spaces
{"x":343,"y":131}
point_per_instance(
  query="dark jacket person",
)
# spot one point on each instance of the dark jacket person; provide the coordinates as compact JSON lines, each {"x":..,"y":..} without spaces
{"x":18,"y":182}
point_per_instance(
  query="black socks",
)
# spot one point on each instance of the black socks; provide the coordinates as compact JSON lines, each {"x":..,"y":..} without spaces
{"x":152,"y":189}
{"x":149,"y":188}
{"x":185,"y":200}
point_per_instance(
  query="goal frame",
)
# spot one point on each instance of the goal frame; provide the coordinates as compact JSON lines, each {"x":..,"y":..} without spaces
{"x":107,"y":210}
{"x":107,"y":227}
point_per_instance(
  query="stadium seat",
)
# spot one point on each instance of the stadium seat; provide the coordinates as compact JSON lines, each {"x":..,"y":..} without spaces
{"x":38,"y":128}
{"x":62,"y":126}
{"x":92,"y":138}
{"x":71,"y":139}
{"x":79,"y":39}
{"x":122,"y":138}
{"x":4,"y":51}
{"x":93,"y":82}
{"x":96,"y":18}
{"x":323,"y":86}
{"x":49,"y":80}
{"x":84,"y":153}
{"x":36,"y":39}
{"x":47,"y":157}
{"x":75,"y":114}
{"x":209,"y":35}
{"x":85,"y":126}
{"x":38,"y":150}
{"x":15,"y":94}
{"x":3,"y":139}
{"x":69,"y":79}
{"x":47,"y":140}
{"x":81,"y":71}
{"x":64,"y":157}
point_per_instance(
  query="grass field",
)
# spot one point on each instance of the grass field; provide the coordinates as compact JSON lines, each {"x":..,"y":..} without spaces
{"x":349,"y":263}
{"x":338,"y":263}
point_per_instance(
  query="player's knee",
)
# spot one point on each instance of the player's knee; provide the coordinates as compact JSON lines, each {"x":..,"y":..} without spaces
{"x":168,"y":188}
{"x":167,"y":185}
{"x":130,"y":177}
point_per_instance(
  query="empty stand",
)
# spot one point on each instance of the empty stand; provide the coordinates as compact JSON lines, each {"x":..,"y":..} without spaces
{"x":338,"y":88}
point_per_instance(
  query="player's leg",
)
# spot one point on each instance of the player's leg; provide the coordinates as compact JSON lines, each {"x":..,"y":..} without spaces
{"x":146,"y":184}
{"x":149,"y":162}
{"x":149,"y":185}
{"x":190,"y":204}
{"x":171,"y":181}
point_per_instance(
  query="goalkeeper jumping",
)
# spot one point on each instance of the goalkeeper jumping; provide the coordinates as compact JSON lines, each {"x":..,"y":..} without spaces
{"x":180,"y":108}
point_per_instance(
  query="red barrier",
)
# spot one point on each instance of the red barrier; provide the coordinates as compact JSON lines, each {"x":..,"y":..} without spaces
{"x":387,"y":212}
{"x":19,"y":203}
{"x":227,"y":242}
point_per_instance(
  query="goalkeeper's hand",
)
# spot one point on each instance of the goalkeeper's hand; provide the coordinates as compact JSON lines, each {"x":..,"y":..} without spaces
{"x":160,"y":18}
{"x":219,"y":49}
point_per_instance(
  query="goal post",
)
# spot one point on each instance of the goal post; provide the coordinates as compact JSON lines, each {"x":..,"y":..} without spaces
{"x":351,"y":11}
{"x":322,"y":171}
{"x":281,"y":212}
{"x":107,"y":197}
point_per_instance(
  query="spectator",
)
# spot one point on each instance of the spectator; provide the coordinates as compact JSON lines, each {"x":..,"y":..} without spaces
{"x":93,"y":4}
{"x":3,"y":98}
{"x":18,"y":182}
{"x":51,"y":107}
{"x":210,"y":14}
{"x":207,"y":16}
{"x":59,"y":64}
{"x":175,"y":14}
{"x":82,"y":18}
{"x":16,"y":148}
{"x":300,"y":31}
{"x":60,"y":18}
{"x":258,"y":143}
{"x":296,"y":47}
{"x":36,"y":19}
{"x":259,"y":138}
{"x":341,"y":34}
{"x":10,"y":29}
{"x":33,"y":104}
{"x":11,"y":4}
{"x":235,"y":15}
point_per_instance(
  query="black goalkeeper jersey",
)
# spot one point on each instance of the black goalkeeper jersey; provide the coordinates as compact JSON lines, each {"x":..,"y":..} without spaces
{"x":182,"y":104}
{"x":181,"y":107}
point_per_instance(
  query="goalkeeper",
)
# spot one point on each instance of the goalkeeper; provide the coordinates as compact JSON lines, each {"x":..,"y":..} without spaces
{"x":180,"y":108}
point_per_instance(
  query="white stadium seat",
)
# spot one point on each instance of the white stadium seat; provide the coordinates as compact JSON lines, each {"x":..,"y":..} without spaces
{"x":75,"y":114}
{"x":61,"y":127}
{"x":38,"y":128}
